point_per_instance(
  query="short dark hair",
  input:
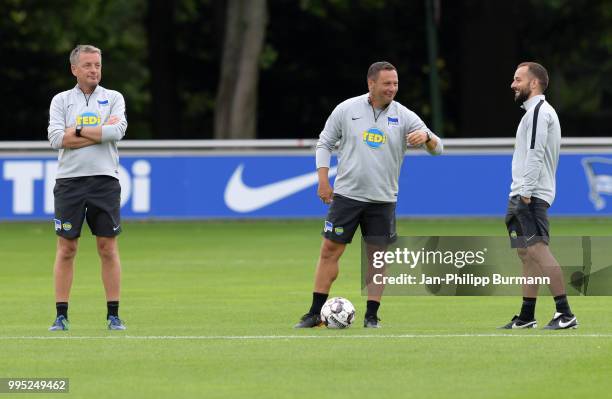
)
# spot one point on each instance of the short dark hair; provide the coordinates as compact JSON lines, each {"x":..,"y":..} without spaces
{"x":538,"y":71}
{"x":376,"y":67}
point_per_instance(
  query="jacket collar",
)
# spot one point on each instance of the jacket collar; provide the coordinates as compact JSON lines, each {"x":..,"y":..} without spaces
{"x":527,"y":105}
{"x":78,"y":89}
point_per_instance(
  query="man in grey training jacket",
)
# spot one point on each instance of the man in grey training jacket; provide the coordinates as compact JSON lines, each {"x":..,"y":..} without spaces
{"x":534,"y":164}
{"x":373,"y":133}
{"x":85,"y":124}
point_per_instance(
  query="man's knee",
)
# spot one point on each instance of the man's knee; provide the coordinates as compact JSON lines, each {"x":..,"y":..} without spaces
{"x":537,"y":249}
{"x":331,"y":250}
{"x":524,"y":254}
{"x":107,"y":247}
{"x":67,"y":249}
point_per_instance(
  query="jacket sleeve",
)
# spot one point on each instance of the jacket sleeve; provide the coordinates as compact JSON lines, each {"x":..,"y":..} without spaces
{"x":117,"y":131}
{"x":535,"y":154}
{"x":331,"y":134}
{"x":57,"y":124}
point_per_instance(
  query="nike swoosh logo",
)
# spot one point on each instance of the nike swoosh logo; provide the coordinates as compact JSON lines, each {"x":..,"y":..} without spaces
{"x":116,"y":228}
{"x":241,"y":198}
{"x":527,"y":239}
{"x":359,"y":117}
{"x":564,"y":325}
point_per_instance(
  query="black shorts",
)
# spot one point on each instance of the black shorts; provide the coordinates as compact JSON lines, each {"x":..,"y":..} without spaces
{"x":95,"y":198}
{"x":377,"y":221}
{"x":527,"y":224}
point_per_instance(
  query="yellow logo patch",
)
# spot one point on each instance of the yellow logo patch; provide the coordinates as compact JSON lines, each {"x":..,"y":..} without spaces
{"x":88,"y":119}
{"x":374,"y":138}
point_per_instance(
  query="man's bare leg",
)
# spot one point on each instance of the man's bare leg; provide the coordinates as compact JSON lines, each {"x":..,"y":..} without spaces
{"x":111,"y":266}
{"x":63,"y":273}
{"x":375,"y":291}
{"x":327,"y":265}
{"x":549,"y":267}
{"x":563,"y":318}
{"x":325,"y":274}
{"x":63,"y":268}
{"x":111,"y":277}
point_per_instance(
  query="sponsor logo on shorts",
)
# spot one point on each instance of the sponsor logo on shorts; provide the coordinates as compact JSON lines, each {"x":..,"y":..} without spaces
{"x":67,"y":226}
{"x":88,"y":119}
{"x":374,"y":138}
{"x":58,"y":224}
{"x":339,"y":230}
{"x":513,"y":234}
{"x":328,"y":227}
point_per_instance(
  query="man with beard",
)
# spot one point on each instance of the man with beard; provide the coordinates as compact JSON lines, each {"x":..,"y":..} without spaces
{"x":534,"y":164}
{"x":374,"y":133}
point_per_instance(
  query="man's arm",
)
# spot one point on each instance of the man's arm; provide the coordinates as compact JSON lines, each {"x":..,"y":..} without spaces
{"x":325,"y":191}
{"x":114,"y":129}
{"x":89,"y":136}
{"x":332,"y":132}
{"x":55,"y":130}
{"x":419,"y":138}
{"x":70,"y":139}
{"x":535,"y":156}
{"x":418,"y":133}
{"x":59,"y":135}
{"x":95,"y":134}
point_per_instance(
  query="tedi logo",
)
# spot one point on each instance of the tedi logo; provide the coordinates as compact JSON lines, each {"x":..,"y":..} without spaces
{"x":24,"y":174}
{"x":88,"y":119}
{"x":374,"y":138}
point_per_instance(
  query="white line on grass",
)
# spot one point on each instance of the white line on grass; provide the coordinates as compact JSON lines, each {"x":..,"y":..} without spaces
{"x":288,"y":337}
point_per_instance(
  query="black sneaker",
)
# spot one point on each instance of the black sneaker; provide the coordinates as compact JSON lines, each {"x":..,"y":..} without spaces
{"x":309,"y":320}
{"x":561,"y":321}
{"x":371,"y":321}
{"x":518,"y":323}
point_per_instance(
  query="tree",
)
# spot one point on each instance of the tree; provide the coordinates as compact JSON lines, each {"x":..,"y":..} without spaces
{"x":37,"y":37}
{"x":162,"y":63}
{"x":236,"y":104}
{"x":488,"y":58}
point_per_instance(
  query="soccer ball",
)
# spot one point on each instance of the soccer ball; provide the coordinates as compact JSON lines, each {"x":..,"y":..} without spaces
{"x":338,"y":313}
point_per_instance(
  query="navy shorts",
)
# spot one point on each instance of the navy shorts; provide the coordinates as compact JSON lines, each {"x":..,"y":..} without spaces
{"x":96,"y":199}
{"x":376,"y":219}
{"x":527,"y":224}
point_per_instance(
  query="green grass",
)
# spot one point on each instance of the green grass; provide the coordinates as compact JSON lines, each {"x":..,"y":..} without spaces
{"x":254,"y":279}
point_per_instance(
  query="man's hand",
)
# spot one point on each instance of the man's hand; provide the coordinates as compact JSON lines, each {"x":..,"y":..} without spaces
{"x":72,"y":141}
{"x":325,"y":192}
{"x":416,"y":138}
{"x":526,"y":200}
{"x":114,"y":119}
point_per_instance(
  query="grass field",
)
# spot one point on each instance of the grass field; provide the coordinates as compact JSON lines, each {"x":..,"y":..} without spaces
{"x":210,"y":306}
